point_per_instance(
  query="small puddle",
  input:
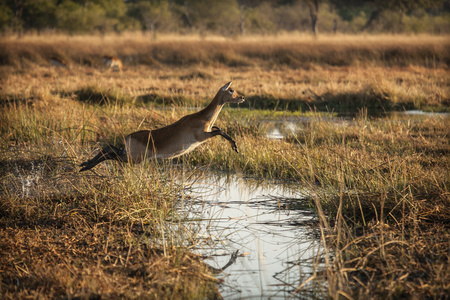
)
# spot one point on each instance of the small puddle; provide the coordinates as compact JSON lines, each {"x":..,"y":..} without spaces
{"x":268,"y":224}
{"x":291,"y":126}
{"x":279,"y":130}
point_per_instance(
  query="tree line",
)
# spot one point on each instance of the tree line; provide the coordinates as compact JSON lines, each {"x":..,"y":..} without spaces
{"x":225,"y":17}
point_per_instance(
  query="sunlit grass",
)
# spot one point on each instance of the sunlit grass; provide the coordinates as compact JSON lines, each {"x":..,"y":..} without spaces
{"x":70,"y":234}
{"x":383,"y":184}
{"x":334,"y":73}
{"x":76,"y":235}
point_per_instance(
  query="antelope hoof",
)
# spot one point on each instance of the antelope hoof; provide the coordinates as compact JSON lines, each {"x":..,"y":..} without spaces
{"x":234,"y":147}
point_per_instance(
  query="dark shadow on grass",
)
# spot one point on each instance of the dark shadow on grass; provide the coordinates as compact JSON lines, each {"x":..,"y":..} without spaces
{"x":196,"y":75}
{"x":10,"y":100}
{"x":168,"y":101}
{"x":96,"y":95}
{"x":352,"y":103}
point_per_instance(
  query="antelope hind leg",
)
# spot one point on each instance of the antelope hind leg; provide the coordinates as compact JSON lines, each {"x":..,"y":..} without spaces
{"x":109,"y":152}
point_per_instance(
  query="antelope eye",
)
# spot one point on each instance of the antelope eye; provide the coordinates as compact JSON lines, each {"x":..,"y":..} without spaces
{"x":231,"y":91}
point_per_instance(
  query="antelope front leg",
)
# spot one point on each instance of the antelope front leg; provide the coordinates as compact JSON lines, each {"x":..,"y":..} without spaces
{"x":218,"y":131}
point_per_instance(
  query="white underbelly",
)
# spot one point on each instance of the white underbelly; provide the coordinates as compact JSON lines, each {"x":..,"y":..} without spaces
{"x":186,"y":148}
{"x":136,"y":152}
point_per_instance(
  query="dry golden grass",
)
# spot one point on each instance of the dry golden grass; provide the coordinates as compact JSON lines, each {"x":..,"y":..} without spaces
{"x":104,"y":262}
{"x":291,"y":50}
{"x":66,"y":234}
{"x":69,"y":235}
{"x":332,"y":73}
{"x":383,"y":182}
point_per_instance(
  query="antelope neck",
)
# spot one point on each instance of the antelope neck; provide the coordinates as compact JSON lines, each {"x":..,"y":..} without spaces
{"x":211,"y":112}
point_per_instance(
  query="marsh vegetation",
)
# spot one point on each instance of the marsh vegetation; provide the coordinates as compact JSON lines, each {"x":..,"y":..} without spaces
{"x":378,"y":183}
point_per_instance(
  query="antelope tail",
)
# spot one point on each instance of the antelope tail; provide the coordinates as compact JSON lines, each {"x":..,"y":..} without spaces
{"x":109,"y":152}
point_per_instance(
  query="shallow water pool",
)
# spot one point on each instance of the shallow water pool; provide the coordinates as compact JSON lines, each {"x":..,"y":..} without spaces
{"x":269,"y":224}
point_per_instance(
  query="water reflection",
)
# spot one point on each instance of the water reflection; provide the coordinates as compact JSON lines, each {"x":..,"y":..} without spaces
{"x":268,"y":224}
{"x":291,"y":126}
{"x":279,"y":130}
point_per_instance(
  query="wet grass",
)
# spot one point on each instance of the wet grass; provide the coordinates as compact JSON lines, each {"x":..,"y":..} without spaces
{"x":66,"y":234}
{"x":381,"y":183}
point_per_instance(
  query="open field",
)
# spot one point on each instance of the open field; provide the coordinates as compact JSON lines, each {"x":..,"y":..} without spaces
{"x":382,"y":182}
{"x":339,"y":73}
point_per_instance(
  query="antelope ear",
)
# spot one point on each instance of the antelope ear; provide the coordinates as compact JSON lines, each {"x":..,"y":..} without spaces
{"x":226,"y":86}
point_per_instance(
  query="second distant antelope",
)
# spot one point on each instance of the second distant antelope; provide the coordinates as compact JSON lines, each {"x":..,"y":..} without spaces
{"x":113,"y":63}
{"x":173,"y":140}
{"x":56,"y":62}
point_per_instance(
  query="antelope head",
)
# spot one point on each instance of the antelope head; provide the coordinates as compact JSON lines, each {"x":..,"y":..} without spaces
{"x":228,"y":95}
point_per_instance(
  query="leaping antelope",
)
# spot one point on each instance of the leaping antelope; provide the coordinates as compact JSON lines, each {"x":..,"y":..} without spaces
{"x":173,"y":140}
{"x":113,"y":63}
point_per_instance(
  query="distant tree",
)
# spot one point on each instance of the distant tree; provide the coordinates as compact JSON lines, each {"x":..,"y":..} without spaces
{"x":16,"y":6}
{"x":314,"y":13}
{"x":29,"y":14}
{"x":151,"y":13}
{"x":402,"y":6}
{"x":244,"y":6}
{"x":6,"y":16}
{"x":376,"y":8}
{"x":242,"y":16}
{"x":224,"y":16}
{"x":39,"y":14}
{"x":313,"y":6}
{"x":80,"y":16}
{"x":69,"y":16}
{"x":220,"y":16}
{"x":115,"y":17}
